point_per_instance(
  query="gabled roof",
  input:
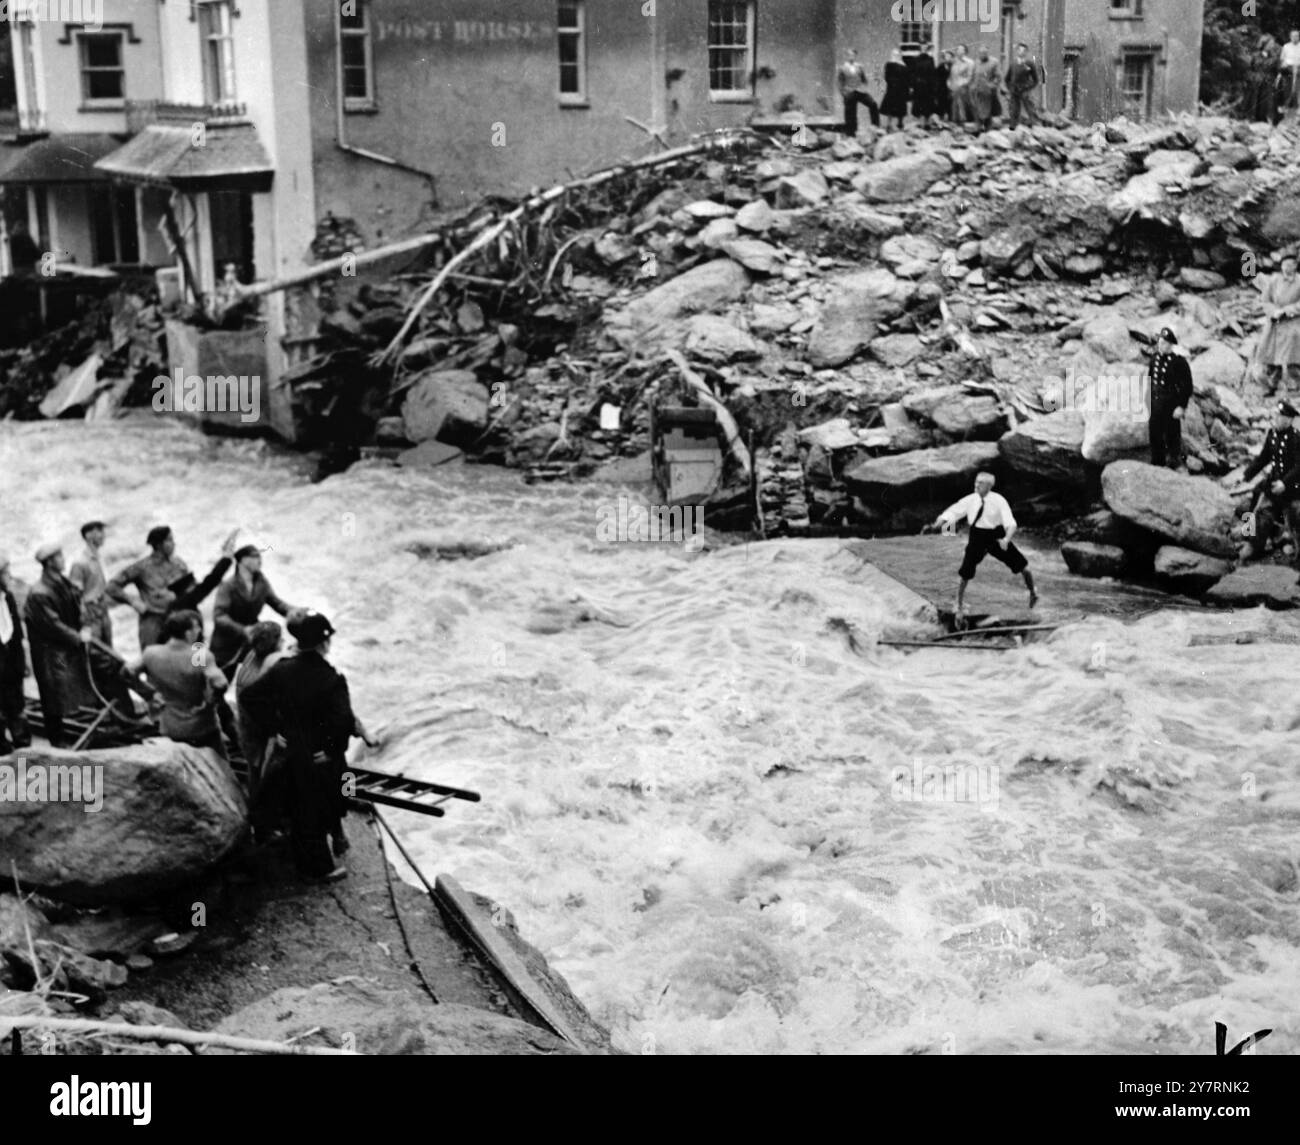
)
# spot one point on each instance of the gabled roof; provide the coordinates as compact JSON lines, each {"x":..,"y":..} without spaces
{"x":230,"y":155}
{"x":65,"y":158}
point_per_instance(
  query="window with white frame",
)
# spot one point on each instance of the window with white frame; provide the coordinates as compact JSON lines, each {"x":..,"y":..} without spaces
{"x":571,"y":34}
{"x":915,"y":37}
{"x":1070,"y":85}
{"x":731,"y":49}
{"x":1136,"y":71}
{"x":356,"y":57}
{"x":103,"y":78}
{"x":217,"y":36}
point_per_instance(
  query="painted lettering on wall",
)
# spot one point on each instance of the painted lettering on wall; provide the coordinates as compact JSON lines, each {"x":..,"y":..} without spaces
{"x":462,"y":31}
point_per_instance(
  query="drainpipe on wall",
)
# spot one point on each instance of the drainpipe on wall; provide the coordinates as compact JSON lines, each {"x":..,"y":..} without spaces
{"x":373,"y":156}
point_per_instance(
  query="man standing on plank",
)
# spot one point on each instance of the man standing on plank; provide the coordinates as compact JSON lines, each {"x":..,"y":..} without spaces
{"x":992,"y":526}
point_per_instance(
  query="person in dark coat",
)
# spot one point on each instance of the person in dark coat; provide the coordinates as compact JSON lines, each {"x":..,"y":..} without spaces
{"x":897,"y":85}
{"x":239,"y":605}
{"x":53,"y":617}
{"x":1171,"y":390}
{"x":13,"y":667}
{"x":1022,"y":78}
{"x":305,"y":702}
{"x":1279,"y":500}
{"x":921,"y":67}
{"x":265,"y":778}
{"x":853,"y":89}
{"x":941,"y":98}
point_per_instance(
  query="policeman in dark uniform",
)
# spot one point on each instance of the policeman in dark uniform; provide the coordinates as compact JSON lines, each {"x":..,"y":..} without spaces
{"x":1171,"y":390}
{"x":1279,"y":500}
{"x":304,"y":701}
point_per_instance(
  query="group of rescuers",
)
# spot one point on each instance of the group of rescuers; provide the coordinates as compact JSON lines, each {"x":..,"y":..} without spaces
{"x":292,"y":717}
{"x":1273,"y":475}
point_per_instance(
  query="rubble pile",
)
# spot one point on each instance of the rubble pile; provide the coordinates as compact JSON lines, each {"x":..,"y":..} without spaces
{"x":865,"y":306}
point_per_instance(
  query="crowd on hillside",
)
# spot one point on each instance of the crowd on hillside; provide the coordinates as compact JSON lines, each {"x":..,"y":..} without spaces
{"x":954,"y":88}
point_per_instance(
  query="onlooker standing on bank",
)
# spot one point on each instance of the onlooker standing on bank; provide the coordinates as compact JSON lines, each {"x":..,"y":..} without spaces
{"x":897,"y":85}
{"x":960,"y":74}
{"x":853,"y":88}
{"x":1022,"y":79}
{"x":1171,"y":390}
{"x":87,"y":573}
{"x":13,"y":667}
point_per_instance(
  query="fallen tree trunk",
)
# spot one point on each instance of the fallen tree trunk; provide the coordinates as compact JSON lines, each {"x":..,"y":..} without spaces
{"x":549,"y":196}
{"x":165,"y":1034}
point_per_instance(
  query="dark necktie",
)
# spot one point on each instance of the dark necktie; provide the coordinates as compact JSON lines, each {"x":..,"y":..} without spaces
{"x":978,"y":515}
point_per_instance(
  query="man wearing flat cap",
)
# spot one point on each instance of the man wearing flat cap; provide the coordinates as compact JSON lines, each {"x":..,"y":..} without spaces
{"x":305,"y":702}
{"x":1278,"y":499}
{"x":239,"y":605}
{"x":1171,"y":390}
{"x":53,"y":618}
{"x":87,"y":573}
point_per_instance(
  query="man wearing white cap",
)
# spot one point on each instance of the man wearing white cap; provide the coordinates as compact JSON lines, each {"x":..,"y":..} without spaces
{"x":53,"y":617}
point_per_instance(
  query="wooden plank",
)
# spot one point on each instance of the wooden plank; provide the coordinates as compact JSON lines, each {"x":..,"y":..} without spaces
{"x":502,"y":956}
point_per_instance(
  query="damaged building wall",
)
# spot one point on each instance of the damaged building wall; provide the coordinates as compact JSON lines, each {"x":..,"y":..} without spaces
{"x":1141,"y":58}
{"x":471,"y":92}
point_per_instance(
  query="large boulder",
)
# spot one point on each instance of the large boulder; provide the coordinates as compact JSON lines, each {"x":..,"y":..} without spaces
{"x":1218,"y":365}
{"x":909,"y":255}
{"x":1192,"y":512}
{"x":1049,"y":448}
{"x":1111,"y":437}
{"x":445,"y":405}
{"x":958,"y":413}
{"x":381,"y":1021}
{"x":858,"y":303}
{"x":921,"y":479}
{"x":1189,"y":572}
{"x":1006,"y":249}
{"x":130,"y":823}
{"x":874,"y":222}
{"x":806,"y":189}
{"x":650,"y":321}
{"x":1273,"y":586}
{"x":715,"y":339}
{"x":903,"y":178}
{"x":1086,"y":558}
{"x":897,"y":349}
{"x":754,"y":254}
{"x":1108,"y":335}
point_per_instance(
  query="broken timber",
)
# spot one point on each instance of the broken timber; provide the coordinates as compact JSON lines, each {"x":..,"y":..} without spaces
{"x":485,"y":237}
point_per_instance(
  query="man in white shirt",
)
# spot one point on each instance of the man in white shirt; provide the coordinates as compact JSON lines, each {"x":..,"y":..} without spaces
{"x":992,"y":526}
{"x":1287,"y":74}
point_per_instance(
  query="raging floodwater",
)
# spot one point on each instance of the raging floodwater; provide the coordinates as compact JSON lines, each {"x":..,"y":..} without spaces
{"x":688,"y":768}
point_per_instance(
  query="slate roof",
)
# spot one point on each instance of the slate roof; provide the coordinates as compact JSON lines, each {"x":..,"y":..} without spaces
{"x":166,"y":155}
{"x":64,"y":158}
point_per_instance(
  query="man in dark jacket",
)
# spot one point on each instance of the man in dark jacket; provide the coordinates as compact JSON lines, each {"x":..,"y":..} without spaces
{"x":1022,"y":78}
{"x":1171,"y":390}
{"x":13,"y":667}
{"x":1279,"y":500}
{"x":239,"y":605}
{"x":53,"y":616}
{"x":304,"y":701}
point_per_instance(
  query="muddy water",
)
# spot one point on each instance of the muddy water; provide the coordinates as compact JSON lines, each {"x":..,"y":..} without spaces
{"x":706,"y":794}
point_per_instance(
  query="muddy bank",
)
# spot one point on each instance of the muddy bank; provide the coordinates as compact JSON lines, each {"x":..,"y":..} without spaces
{"x":370,"y":960}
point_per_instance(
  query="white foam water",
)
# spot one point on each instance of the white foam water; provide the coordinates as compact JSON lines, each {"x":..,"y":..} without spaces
{"x":732,"y":821}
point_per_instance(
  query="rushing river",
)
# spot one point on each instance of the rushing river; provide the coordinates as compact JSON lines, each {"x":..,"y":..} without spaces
{"x":698,"y":789}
